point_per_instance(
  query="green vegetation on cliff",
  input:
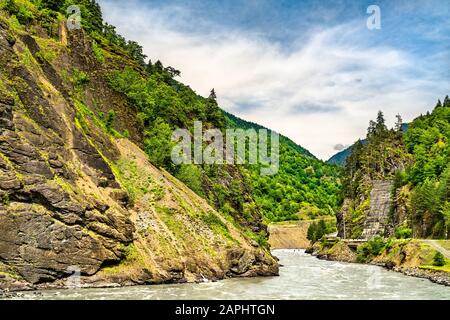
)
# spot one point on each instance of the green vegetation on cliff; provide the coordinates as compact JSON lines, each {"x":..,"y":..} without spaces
{"x":417,"y":162}
{"x":157,"y":103}
{"x":428,"y":177}
{"x":379,"y":157}
{"x":77,"y":188}
{"x":304,"y":187}
{"x":45,"y":12}
{"x":164,"y":104}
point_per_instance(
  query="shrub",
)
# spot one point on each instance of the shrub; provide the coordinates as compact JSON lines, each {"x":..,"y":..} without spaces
{"x":212,"y":220}
{"x":317,"y":230}
{"x":109,"y":120}
{"x":158,"y":144}
{"x":403,"y":232}
{"x":4,"y":198}
{"x":47,"y":55}
{"x":22,"y":10}
{"x":191,"y":175}
{"x":311,"y":234}
{"x":370,"y":249}
{"x":98,"y":52}
{"x":129,"y":252}
{"x":79,"y":78}
{"x":438,"y":259}
{"x":25,"y":16}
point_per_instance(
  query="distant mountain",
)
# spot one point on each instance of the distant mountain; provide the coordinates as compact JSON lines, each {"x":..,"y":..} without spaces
{"x":340,"y":157}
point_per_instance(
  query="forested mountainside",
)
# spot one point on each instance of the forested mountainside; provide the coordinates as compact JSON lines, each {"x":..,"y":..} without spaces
{"x":303,"y":188}
{"x":413,"y":167}
{"x":85,"y":181}
{"x":236,"y":122}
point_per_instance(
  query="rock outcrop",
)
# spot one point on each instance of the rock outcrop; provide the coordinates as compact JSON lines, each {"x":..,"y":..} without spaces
{"x":380,"y":203}
{"x":75,"y":198}
{"x":368,"y":213}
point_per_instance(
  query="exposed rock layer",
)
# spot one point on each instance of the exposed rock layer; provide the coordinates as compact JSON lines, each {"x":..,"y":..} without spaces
{"x":66,"y":187}
{"x":380,"y":202}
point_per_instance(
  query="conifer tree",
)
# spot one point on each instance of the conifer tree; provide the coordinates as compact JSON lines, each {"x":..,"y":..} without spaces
{"x":380,"y":126}
{"x":158,"y":67}
{"x":398,"y":123}
{"x":54,"y":5}
{"x":212,"y":95}
{"x":446,"y":102}
{"x":149,"y":67}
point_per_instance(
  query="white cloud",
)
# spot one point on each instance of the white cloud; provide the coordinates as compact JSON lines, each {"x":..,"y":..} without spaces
{"x":322,"y":92}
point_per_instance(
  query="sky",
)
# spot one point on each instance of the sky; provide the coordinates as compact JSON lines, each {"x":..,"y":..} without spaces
{"x":311,"y":70}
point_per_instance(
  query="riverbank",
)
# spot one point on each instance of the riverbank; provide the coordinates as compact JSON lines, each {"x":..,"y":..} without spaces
{"x":283,"y":235}
{"x":17,"y":288}
{"x":412,"y":257}
{"x":302,"y":277}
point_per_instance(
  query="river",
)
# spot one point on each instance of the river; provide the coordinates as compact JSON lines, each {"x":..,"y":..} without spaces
{"x":302,"y":276}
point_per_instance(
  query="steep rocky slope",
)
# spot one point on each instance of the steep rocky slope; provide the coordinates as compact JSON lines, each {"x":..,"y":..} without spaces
{"x":398,"y":182}
{"x":378,"y":215}
{"x":369,"y":173}
{"x":77,"y":198}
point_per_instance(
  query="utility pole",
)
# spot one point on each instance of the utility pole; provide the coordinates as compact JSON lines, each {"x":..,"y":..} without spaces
{"x":343,"y":218}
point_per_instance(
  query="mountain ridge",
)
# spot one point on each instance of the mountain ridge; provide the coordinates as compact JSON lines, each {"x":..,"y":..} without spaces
{"x":78,"y":192}
{"x":245,"y":124}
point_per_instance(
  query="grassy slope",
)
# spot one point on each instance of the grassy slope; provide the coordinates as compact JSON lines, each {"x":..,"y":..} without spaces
{"x":178,"y":233}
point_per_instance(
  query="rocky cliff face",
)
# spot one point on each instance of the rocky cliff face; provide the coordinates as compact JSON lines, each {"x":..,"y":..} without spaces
{"x":76,"y":198}
{"x":371,"y":171}
{"x":367,"y":215}
{"x":380,"y":203}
